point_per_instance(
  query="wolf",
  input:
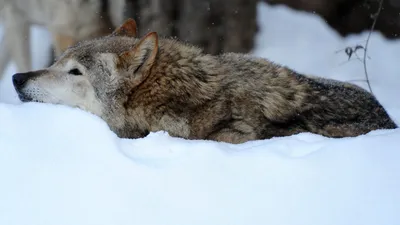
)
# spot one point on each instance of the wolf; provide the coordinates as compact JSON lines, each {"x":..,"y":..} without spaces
{"x":149,"y":84}
{"x":69,"y":21}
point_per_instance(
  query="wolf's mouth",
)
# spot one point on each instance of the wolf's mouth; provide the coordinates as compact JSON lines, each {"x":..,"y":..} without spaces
{"x":26,"y":98}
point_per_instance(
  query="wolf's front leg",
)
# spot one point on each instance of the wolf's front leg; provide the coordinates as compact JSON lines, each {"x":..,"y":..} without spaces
{"x":17,"y":39}
{"x":233,"y":136}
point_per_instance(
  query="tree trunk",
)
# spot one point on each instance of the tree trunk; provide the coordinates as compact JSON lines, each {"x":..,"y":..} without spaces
{"x":215,"y":25}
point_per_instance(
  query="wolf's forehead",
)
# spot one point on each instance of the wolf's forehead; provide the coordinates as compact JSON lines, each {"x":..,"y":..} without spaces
{"x":86,"y":52}
{"x":115,"y":45}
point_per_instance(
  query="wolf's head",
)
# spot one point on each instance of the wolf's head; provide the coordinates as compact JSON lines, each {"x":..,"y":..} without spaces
{"x":95,"y":75}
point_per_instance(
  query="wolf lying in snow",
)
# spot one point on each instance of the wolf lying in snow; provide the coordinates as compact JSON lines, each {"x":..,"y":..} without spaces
{"x":144,"y":85}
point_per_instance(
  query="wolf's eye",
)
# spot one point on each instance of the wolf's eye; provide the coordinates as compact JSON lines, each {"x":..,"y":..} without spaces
{"x":75,"y":72}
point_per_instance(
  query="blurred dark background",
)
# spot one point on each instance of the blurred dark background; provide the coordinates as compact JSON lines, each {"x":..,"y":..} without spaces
{"x":230,"y":25}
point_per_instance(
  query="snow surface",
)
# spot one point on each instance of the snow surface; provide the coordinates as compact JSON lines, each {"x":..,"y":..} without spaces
{"x":60,"y":165}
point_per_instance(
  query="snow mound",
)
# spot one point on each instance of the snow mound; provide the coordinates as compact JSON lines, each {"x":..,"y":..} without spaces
{"x":64,"y":166}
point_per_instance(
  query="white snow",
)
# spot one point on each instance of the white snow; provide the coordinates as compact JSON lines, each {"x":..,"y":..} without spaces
{"x":60,"y":165}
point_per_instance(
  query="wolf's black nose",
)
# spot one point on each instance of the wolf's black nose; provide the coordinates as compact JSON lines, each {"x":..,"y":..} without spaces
{"x":20,"y":79}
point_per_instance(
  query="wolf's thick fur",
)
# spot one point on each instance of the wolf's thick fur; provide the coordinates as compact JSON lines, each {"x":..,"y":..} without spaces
{"x":69,"y":21}
{"x":150,"y":84}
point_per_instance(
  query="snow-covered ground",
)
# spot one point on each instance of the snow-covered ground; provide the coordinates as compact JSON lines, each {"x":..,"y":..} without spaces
{"x":63,"y":166}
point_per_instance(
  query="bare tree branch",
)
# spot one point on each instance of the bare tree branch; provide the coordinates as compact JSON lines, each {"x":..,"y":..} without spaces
{"x":375,"y":17}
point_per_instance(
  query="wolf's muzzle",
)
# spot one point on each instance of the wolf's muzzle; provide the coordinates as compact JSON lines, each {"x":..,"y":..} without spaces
{"x":19,"y":81}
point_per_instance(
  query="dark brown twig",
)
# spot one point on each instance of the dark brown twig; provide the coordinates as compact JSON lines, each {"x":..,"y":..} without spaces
{"x":375,"y":17}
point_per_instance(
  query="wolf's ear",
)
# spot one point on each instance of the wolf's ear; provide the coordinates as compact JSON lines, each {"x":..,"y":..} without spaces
{"x":128,"y":29}
{"x":139,"y":60}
